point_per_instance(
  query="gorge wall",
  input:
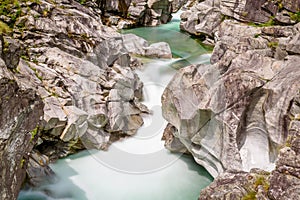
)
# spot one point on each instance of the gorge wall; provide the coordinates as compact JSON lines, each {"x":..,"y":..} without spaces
{"x":73,"y":80}
{"x":235,"y":114}
{"x":67,"y":83}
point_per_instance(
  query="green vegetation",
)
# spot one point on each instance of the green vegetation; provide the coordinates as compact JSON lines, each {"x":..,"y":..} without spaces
{"x":295,"y":16}
{"x":261,"y":180}
{"x":271,"y":22}
{"x":273,"y":44}
{"x":8,"y":8}
{"x":288,"y":142}
{"x":250,"y":196}
{"x":244,"y":14}
{"x":34,"y":132}
{"x":13,"y":10}
{"x":256,"y":35}
{"x":81,"y":1}
{"x":22,"y":162}
{"x":4,"y":28}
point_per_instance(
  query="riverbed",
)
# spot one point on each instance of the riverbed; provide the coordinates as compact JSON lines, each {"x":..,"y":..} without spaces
{"x":139,"y":167}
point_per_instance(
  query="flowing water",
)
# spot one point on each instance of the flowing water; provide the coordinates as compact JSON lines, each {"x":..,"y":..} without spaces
{"x":139,"y":167}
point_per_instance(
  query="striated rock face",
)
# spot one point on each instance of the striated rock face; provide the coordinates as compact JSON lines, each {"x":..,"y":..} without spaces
{"x":20,"y":119}
{"x":235,"y":114}
{"x":203,"y":18}
{"x":219,"y":112}
{"x":282,"y":183}
{"x":261,"y":11}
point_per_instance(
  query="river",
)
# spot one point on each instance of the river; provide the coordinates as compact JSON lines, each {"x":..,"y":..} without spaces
{"x":136,"y":168}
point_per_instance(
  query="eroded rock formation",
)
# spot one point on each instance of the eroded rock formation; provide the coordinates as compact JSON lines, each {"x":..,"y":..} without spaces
{"x":241,"y":100}
{"x":282,"y":183}
{"x":235,"y":114}
{"x":61,"y":65}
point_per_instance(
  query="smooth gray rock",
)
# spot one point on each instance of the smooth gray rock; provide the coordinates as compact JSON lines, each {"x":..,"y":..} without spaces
{"x":201,"y":19}
{"x":135,"y":44}
{"x":139,"y":46}
{"x":205,"y":16}
{"x":221,"y":110}
{"x":282,"y":183}
{"x":158,"y":50}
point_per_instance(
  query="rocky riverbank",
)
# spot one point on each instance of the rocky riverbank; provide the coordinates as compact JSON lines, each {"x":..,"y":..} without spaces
{"x":68,"y":83}
{"x":242,"y":109}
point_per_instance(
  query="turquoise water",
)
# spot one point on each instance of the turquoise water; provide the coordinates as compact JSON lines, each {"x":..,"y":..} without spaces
{"x":139,"y":167}
{"x":182,"y":45}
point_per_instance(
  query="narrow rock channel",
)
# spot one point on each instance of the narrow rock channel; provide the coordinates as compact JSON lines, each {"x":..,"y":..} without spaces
{"x":138,"y":167}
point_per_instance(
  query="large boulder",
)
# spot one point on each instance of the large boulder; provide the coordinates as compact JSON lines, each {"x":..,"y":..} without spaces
{"x":139,"y":46}
{"x":235,"y":114}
